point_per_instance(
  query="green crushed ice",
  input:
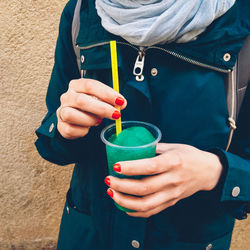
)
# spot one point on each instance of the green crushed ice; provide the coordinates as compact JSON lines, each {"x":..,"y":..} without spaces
{"x":132,"y":137}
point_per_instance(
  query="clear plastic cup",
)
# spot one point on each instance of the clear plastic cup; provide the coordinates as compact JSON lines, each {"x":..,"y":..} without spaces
{"x":116,"y":153}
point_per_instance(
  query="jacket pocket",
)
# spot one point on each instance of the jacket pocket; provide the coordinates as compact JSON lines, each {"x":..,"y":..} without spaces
{"x":77,"y":231}
{"x":222,"y":243}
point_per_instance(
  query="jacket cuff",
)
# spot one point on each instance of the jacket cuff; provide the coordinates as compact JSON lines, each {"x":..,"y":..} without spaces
{"x":49,"y":126}
{"x":55,"y":148}
{"x":235,"y":182}
{"x":236,"y":186}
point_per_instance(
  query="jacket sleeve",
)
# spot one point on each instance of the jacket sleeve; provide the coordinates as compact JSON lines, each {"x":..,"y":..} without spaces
{"x":50,"y":144}
{"x":235,"y":183}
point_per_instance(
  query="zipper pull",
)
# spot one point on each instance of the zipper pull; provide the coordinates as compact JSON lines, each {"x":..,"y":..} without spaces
{"x":139,"y":65}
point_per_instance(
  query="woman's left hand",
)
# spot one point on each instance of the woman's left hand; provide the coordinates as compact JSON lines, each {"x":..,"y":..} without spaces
{"x":176,"y":173}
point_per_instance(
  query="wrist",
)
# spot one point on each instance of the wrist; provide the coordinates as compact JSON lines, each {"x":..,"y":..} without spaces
{"x":214,"y":169}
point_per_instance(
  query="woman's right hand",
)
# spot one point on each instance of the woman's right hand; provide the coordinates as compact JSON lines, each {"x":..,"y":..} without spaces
{"x":84,"y":105}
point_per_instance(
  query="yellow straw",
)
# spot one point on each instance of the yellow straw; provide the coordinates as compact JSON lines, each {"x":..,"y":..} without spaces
{"x":113,"y":52}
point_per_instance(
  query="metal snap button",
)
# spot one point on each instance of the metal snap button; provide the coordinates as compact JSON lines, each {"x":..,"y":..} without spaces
{"x":51,"y":127}
{"x":235,"y":191}
{"x":82,"y":59}
{"x":227,"y":57}
{"x":67,"y":208}
{"x":209,"y":247}
{"x":135,"y":244}
{"x":154,"y":72}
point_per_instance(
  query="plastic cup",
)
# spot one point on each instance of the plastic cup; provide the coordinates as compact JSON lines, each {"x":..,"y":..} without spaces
{"x":116,"y":153}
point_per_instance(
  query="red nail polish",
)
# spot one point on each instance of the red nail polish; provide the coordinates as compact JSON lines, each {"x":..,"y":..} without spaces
{"x":117,"y":167}
{"x":119,"y":101}
{"x":110,"y":193}
{"x":99,"y":121}
{"x":116,"y":115}
{"x":107,"y":181}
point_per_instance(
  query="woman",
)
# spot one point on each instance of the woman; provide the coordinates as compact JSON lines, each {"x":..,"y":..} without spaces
{"x":194,"y":189}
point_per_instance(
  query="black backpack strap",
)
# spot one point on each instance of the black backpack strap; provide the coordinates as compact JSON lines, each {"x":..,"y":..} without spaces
{"x":236,"y":86}
{"x":243,"y":72}
{"x":243,"y":78}
{"x":75,"y":30}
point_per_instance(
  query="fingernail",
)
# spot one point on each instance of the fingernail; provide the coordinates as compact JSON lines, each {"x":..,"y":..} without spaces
{"x":116,"y":115}
{"x":110,"y":193}
{"x":99,"y":121}
{"x":117,"y":167}
{"x":107,"y":181}
{"x":119,"y":101}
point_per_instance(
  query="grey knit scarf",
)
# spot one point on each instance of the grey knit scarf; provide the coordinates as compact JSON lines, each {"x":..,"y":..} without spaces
{"x":149,"y":22}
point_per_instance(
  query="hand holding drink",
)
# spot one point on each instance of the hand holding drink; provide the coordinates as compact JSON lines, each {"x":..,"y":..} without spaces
{"x":176,"y":173}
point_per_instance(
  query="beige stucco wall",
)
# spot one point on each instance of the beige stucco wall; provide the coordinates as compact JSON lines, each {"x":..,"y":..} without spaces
{"x":31,"y":190}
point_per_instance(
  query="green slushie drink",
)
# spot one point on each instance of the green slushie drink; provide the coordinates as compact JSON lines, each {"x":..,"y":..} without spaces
{"x":137,"y":140}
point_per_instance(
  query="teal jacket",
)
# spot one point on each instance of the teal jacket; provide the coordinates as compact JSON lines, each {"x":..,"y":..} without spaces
{"x":186,"y":100}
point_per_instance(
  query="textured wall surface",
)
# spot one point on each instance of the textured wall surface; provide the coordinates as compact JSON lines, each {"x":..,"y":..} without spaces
{"x":32,"y":191}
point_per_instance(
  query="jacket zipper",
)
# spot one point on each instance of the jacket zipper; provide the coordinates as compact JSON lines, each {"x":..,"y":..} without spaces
{"x":189,"y":60}
{"x":139,"y":65}
{"x":105,"y":43}
{"x":141,"y":57}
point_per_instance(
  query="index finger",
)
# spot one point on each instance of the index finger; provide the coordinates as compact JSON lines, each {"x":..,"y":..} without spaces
{"x":149,"y":166}
{"x":99,"y":90}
